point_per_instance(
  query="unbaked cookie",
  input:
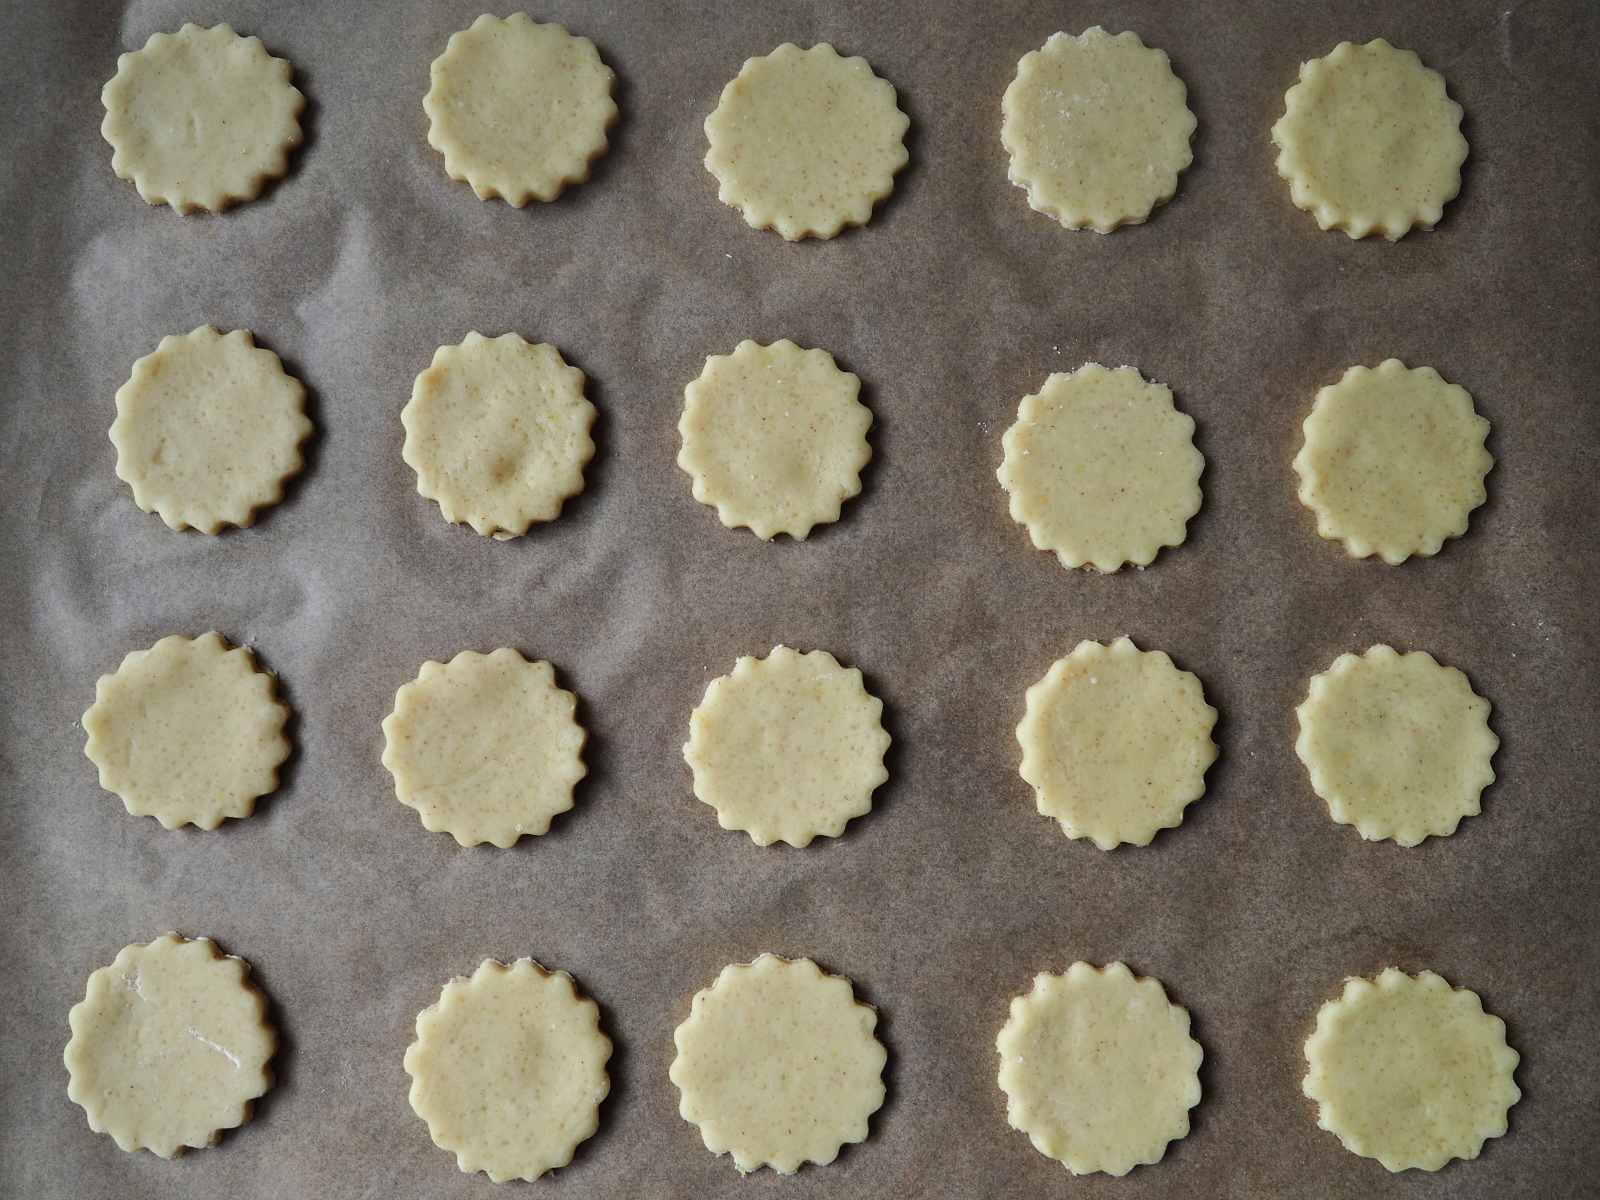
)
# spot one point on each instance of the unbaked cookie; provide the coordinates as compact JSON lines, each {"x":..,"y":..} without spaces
{"x":201,"y":119}
{"x":1101,"y":468}
{"x":1409,"y":1071}
{"x":1098,"y":1068}
{"x":208,"y":429}
{"x":1116,"y":743}
{"x":497,"y":431}
{"x":806,"y":142}
{"x":1393,"y":461}
{"x":774,"y":438}
{"x":1397,"y":745}
{"x":170,"y":1046}
{"x":1097,"y":128}
{"x":1370,"y":142}
{"x":509,"y":1069}
{"x":778,"y":1064}
{"x":189,"y":732}
{"x":519,"y":109}
{"x":787,"y":748}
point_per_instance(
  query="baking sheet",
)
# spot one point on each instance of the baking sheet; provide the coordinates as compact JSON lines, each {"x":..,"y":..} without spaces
{"x":951,"y":305}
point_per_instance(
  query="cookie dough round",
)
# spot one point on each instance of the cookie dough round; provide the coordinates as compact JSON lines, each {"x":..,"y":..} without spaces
{"x":189,"y":732}
{"x":1396,"y":744}
{"x":201,"y":119}
{"x":485,"y":747}
{"x":519,"y":109}
{"x":208,"y":429}
{"x":1370,"y":142}
{"x":1098,"y":1068}
{"x":1409,"y":1071}
{"x":774,"y":438}
{"x":170,"y":1046}
{"x":1097,"y":128}
{"x":497,"y":431}
{"x":1116,"y":743}
{"x":1393,"y":461}
{"x":509,"y":1069}
{"x":778,"y":1064}
{"x":1101,"y":468}
{"x":806,"y":142}
{"x":787,"y":748}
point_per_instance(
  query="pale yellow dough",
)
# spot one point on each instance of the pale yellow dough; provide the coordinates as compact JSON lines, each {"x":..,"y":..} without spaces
{"x":518,"y":109}
{"x":170,"y":1046}
{"x":1098,"y":1068}
{"x":189,"y":732}
{"x":1396,"y":744}
{"x":1393,"y":461}
{"x":778,"y":1064}
{"x":806,"y":142}
{"x":1370,"y":142}
{"x":1410,"y":1071}
{"x":201,"y":119}
{"x":774,"y":438}
{"x":208,"y":429}
{"x":497,"y":431}
{"x":485,"y":747}
{"x":1101,"y":468}
{"x":1097,"y":128}
{"x":787,"y":748}
{"x":509,"y":1069}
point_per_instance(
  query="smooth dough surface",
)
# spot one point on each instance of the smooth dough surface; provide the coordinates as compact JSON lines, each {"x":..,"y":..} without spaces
{"x":486,"y":747}
{"x":1410,"y":1071}
{"x":1098,"y":1068}
{"x":778,"y":1064}
{"x":509,"y":1069}
{"x":201,"y":119}
{"x":1396,"y":744}
{"x":1101,"y":468}
{"x":1370,"y":142}
{"x":519,"y":109}
{"x":787,"y":748}
{"x":1097,"y":128}
{"x":806,"y":142}
{"x":189,"y":732}
{"x":497,"y":431}
{"x":1393,"y":461}
{"x":208,"y":429}
{"x":170,"y":1046}
{"x":774,"y":438}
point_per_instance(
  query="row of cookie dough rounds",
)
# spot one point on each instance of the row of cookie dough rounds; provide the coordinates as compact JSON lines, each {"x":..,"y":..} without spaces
{"x":805,"y":142}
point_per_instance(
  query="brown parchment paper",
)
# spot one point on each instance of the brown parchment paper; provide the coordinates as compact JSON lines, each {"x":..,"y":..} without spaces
{"x":954,"y":302}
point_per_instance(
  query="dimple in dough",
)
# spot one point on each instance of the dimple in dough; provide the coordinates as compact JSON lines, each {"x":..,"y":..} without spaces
{"x":170,"y":1046}
{"x":1116,"y":743}
{"x":1101,"y":468}
{"x":1410,"y":1071}
{"x":1370,"y":142}
{"x":189,"y":732}
{"x":509,"y":1069}
{"x":787,"y":748}
{"x":1097,"y":128}
{"x":208,"y":429}
{"x":201,"y":119}
{"x":1098,"y":1068}
{"x":498,"y":432}
{"x":806,"y":142}
{"x":486,"y":747}
{"x":1396,"y":744}
{"x":778,"y":1064}
{"x":519,"y":109}
{"x":774,"y":438}
{"x":1393,"y":461}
